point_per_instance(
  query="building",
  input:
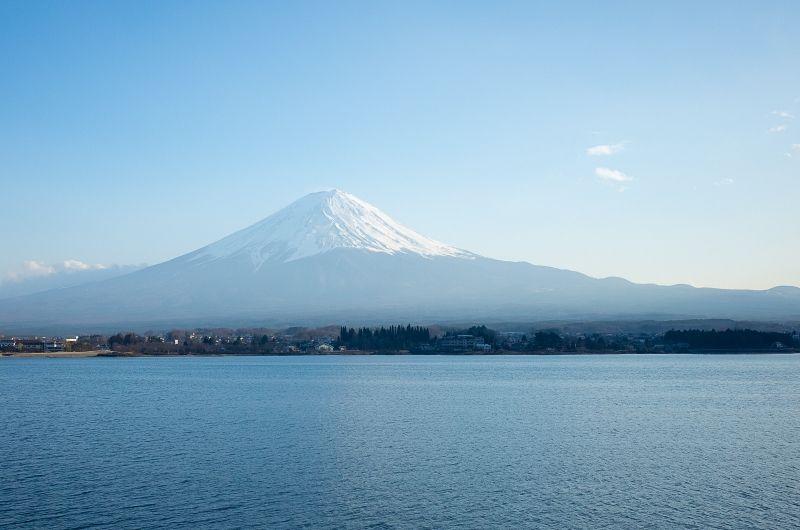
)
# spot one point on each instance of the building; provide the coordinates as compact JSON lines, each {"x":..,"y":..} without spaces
{"x":70,"y":342}
{"x":40,"y":345}
{"x":512,"y":337}
{"x":463,"y":343}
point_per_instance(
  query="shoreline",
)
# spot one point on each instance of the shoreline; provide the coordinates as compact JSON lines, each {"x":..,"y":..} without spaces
{"x":57,"y":354}
{"x":356,"y":353}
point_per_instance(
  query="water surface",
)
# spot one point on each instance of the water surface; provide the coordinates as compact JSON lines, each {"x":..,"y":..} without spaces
{"x":401,"y":442}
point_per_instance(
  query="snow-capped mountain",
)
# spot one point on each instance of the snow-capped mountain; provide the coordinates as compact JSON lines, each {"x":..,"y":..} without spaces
{"x":321,"y":222}
{"x":331,"y":258}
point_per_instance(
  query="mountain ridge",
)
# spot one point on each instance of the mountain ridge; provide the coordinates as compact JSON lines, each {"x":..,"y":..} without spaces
{"x":330,"y":256}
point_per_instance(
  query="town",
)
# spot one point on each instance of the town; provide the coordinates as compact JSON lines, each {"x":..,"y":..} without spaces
{"x":400,"y":340}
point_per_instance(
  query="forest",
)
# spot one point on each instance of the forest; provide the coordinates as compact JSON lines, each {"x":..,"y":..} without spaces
{"x":729,"y":339}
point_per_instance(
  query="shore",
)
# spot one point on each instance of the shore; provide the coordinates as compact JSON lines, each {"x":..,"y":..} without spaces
{"x":59,"y":354}
{"x":111,"y":353}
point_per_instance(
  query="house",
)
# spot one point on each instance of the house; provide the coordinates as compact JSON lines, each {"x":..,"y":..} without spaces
{"x":30,"y":345}
{"x":512,"y":337}
{"x":463,"y":343}
{"x":53,"y":345}
{"x":40,"y":345}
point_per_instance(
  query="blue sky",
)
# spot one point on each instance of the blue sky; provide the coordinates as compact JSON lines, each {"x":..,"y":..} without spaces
{"x":135,"y":132}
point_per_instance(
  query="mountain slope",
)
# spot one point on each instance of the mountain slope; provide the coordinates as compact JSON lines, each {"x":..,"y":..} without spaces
{"x":318,"y":223}
{"x":330,"y":257}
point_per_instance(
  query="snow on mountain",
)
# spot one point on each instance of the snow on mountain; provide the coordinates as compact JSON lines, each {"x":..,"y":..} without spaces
{"x":318,"y":223}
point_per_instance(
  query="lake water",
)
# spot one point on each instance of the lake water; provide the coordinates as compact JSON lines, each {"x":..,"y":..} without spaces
{"x":401,"y":442}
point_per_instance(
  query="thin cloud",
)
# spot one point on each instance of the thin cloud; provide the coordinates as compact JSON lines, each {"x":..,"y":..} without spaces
{"x":612,"y":175}
{"x":38,"y":269}
{"x":778,"y":128}
{"x":724,"y":182}
{"x":605,"y":149}
{"x":783,"y":114}
{"x":75,"y":265}
{"x":794,"y":149}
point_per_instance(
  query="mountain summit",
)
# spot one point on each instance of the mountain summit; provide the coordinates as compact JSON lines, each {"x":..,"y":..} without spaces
{"x":318,"y":223}
{"x":331,"y":258}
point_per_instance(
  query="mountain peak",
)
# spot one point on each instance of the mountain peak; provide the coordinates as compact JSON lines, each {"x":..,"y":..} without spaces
{"x":320,"y":222}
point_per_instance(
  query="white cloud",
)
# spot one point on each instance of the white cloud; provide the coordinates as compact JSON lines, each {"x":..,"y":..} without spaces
{"x":604,"y":150}
{"x":73,"y":264}
{"x":724,"y":182}
{"x":778,"y":128}
{"x":783,"y":114}
{"x":38,"y":269}
{"x":796,"y":148}
{"x":612,"y":175}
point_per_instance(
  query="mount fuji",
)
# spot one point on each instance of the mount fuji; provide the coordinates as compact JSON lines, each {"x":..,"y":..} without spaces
{"x":321,"y":222}
{"x":330,"y":257}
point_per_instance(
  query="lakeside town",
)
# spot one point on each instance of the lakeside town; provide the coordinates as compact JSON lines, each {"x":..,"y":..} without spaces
{"x":398,"y":340}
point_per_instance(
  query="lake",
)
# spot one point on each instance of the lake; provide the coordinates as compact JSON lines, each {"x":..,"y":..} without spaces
{"x":612,"y":441}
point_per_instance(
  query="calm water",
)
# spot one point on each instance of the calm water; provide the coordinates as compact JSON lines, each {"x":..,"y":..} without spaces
{"x":401,"y":442}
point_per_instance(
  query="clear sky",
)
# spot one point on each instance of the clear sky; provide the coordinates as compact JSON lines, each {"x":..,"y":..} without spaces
{"x":660,"y":143}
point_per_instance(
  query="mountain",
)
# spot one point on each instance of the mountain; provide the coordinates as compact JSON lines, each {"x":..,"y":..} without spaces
{"x":321,"y":222}
{"x":330,"y":257}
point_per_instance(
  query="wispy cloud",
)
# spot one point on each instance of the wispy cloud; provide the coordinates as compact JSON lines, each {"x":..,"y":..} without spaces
{"x":605,"y":149}
{"x":725,"y":182}
{"x":37,"y":269}
{"x":612,"y":175}
{"x":778,"y":128}
{"x":73,"y":264}
{"x":783,"y":114}
{"x":794,"y":149}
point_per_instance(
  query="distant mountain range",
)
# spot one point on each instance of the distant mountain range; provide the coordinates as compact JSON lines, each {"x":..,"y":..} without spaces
{"x":330,"y":257}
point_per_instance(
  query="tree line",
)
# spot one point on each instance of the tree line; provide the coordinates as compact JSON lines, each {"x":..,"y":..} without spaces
{"x":733,"y":339}
{"x":383,"y":338}
{"x":419,"y":339}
